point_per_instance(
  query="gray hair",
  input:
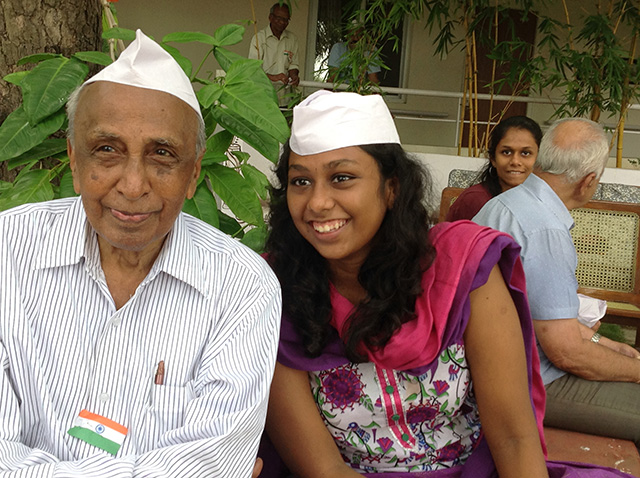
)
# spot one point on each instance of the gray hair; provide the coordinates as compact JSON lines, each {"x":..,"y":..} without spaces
{"x":72,"y":107}
{"x":585,"y":152}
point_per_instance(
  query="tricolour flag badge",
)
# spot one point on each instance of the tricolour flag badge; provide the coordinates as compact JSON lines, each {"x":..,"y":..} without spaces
{"x":98,"y":431}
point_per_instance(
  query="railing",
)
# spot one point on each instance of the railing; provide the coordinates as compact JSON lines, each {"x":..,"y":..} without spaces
{"x":442,"y":116}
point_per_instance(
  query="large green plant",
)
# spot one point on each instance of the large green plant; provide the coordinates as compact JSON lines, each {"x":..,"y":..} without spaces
{"x":241,"y":104}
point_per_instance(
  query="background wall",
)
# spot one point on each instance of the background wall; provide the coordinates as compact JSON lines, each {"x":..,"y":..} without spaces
{"x":425,"y":71}
{"x":157,"y":18}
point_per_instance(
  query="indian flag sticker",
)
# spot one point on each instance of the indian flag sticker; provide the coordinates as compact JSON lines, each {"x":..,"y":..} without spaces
{"x":98,"y":431}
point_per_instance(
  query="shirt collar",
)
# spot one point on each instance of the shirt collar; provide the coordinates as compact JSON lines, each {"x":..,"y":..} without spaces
{"x":269,"y":33}
{"x":539,"y":188}
{"x":179,"y":257}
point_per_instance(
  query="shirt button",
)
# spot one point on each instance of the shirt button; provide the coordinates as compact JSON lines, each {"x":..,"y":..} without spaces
{"x":389,"y":389}
{"x":405,"y":437}
{"x":103,"y":397}
{"x":117,"y":321}
{"x":395,"y":418}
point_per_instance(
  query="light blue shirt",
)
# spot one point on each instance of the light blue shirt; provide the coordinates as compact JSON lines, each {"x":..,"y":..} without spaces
{"x":540,"y":222}
{"x":337,"y":54}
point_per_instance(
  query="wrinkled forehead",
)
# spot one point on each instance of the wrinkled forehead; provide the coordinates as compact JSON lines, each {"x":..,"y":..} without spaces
{"x":132,"y":99}
{"x":106,"y":108}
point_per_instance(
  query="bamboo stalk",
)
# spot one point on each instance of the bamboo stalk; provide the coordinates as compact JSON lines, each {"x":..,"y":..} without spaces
{"x":475,"y":95}
{"x":566,"y":14}
{"x":624,"y":107}
{"x":469,"y":85}
{"x":255,"y":26}
{"x":493,"y":79}
{"x":112,"y":23}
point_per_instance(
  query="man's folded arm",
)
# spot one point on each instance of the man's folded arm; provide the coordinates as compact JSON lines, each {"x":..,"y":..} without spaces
{"x":223,"y":423}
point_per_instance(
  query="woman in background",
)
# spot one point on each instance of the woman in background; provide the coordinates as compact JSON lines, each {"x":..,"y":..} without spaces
{"x":513,"y":149}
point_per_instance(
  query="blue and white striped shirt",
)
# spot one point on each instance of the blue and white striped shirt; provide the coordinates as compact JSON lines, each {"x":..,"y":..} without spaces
{"x":209,"y":308}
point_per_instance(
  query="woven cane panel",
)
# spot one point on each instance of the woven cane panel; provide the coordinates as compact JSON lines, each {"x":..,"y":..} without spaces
{"x":606,"y":243}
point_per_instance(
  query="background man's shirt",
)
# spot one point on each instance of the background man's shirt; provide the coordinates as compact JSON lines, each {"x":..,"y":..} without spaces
{"x":536,"y":218}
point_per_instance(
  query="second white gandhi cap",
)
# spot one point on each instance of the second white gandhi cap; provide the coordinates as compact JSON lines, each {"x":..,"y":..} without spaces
{"x":145,"y":64}
{"x":326,"y":121}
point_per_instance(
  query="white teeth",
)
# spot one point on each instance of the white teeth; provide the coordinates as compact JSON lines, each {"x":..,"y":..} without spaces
{"x":329,"y":226}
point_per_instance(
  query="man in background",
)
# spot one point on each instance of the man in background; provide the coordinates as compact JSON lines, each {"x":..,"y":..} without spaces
{"x":339,"y":55}
{"x":592,"y":383}
{"x":278,"y":50}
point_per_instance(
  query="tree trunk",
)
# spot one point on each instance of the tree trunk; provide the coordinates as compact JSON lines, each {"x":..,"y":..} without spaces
{"x":37,"y":26}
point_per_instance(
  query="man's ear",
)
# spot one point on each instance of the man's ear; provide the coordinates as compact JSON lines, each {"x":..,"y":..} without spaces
{"x":73,"y":166}
{"x":589,"y":181}
{"x":585,"y":188}
{"x":191,"y":188}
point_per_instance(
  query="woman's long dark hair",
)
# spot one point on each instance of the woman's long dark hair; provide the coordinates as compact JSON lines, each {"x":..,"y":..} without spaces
{"x":489,"y":176}
{"x":391,"y":274}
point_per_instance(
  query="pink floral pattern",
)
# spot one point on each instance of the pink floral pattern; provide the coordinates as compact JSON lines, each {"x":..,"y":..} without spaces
{"x":438,"y":410}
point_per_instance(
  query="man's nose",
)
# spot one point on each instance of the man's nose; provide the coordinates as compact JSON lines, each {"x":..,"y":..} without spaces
{"x":134,"y":181}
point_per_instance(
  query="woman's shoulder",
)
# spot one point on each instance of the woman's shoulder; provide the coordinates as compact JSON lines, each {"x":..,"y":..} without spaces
{"x":456,"y":238}
{"x":469,"y":203}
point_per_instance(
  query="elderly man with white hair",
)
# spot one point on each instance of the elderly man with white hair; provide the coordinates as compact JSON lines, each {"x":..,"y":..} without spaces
{"x":591,"y":381}
{"x":135,"y":340}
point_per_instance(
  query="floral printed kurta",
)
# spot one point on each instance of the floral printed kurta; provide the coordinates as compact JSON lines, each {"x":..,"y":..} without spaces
{"x":385,"y":420}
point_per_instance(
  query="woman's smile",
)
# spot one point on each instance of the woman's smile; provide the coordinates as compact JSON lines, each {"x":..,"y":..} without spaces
{"x":325,"y":227}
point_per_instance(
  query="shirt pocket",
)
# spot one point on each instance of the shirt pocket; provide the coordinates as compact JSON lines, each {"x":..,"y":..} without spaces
{"x":166,"y":409}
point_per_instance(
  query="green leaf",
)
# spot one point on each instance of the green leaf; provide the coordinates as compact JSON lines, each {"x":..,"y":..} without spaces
{"x":219,"y":142}
{"x":18,"y":136}
{"x":66,"y":184}
{"x":37,"y":58}
{"x":243,"y":69}
{"x":236,"y":193}
{"x":209,"y":94}
{"x":212,"y":157}
{"x":248,"y":101}
{"x":47,"y":148}
{"x":32,"y":186}
{"x":250,"y":71}
{"x":257,"y":179}
{"x":255,"y":238}
{"x":226,"y":57}
{"x":119,"y":33}
{"x":239,"y":126}
{"x":186,"y":37}
{"x":16,"y":78}
{"x":5,"y":186}
{"x":228,"y":35}
{"x":49,"y":85}
{"x":96,"y":57}
{"x":210,"y":122}
{"x":230,"y":226}
{"x":241,"y":156}
{"x":184,"y":62}
{"x":203,"y":205}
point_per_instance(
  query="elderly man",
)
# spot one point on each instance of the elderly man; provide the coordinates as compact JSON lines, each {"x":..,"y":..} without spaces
{"x":591,"y":381}
{"x":135,"y":340}
{"x":278,"y":50}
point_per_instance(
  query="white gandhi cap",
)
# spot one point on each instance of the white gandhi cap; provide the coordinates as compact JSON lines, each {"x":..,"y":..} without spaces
{"x":326,"y":121}
{"x":145,"y":64}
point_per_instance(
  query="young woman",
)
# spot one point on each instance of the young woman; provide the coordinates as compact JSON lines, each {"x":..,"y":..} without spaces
{"x":404,"y":349}
{"x":513,"y":149}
